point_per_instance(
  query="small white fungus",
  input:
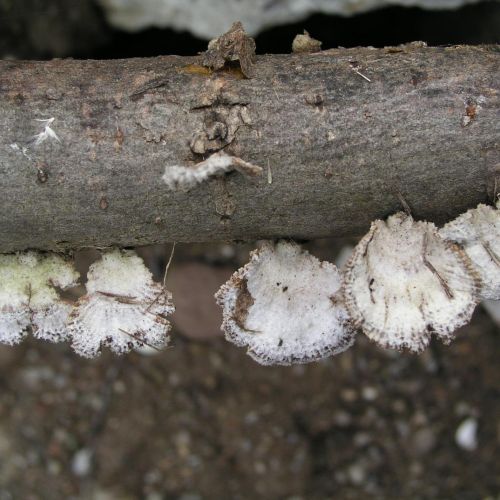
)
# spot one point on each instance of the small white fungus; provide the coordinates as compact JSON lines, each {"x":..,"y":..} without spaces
{"x":178,"y":177}
{"x":405,"y":283}
{"x":29,"y":296}
{"x":124,"y":308}
{"x":478,"y":232}
{"x":285,"y":306}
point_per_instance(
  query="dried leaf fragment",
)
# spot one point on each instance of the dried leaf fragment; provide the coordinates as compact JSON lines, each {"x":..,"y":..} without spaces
{"x":124,"y":308}
{"x":234,"y":45}
{"x":305,"y":44}
{"x":478,"y":232}
{"x":404,"y":283}
{"x":285,"y":306}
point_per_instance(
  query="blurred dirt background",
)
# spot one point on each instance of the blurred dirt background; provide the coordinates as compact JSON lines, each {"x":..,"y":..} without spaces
{"x":202,"y":420}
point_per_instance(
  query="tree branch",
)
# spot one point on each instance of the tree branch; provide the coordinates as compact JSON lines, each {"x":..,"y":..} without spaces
{"x":341,"y":136}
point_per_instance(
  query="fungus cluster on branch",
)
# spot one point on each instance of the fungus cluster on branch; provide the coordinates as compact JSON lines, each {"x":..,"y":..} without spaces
{"x":285,"y":306}
{"x":122,"y":309}
{"x":405,"y":282}
{"x":477,"y":232}
{"x":29,"y":297}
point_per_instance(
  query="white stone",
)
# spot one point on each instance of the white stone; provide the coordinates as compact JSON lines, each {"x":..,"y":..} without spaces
{"x":211,"y":18}
{"x":285,"y":306}
{"x":405,"y":283}
{"x":369,"y":393}
{"x":466,"y":434}
{"x":81,"y":464}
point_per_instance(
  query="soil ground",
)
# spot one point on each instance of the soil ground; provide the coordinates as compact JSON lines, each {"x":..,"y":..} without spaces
{"x":203,"y":421}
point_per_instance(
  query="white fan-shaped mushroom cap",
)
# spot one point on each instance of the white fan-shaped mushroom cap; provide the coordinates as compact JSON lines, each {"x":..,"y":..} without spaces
{"x":52,"y":323}
{"x":123,"y":309}
{"x":14,"y":326}
{"x":28,"y":295}
{"x":285,"y":306}
{"x":478,"y":232}
{"x":404,"y":283}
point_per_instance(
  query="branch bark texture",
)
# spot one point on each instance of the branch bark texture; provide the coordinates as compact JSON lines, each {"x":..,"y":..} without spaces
{"x":340,"y":135}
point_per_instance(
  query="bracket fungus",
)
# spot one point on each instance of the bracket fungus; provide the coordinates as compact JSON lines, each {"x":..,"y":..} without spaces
{"x":285,"y":306}
{"x":478,"y":232}
{"x":178,"y":177}
{"x":124,"y":308}
{"x":29,"y":297}
{"x":404,"y":283}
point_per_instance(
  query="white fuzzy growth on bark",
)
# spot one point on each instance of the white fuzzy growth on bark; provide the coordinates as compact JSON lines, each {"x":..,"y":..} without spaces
{"x":46,"y":133}
{"x":285,"y":306}
{"x":178,"y":177}
{"x":405,"y":283}
{"x":123,"y":309}
{"x":28,"y":296}
{"x":478,"y":232}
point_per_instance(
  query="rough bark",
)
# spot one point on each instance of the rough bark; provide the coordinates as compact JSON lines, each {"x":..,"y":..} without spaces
{"x":340,"y":148}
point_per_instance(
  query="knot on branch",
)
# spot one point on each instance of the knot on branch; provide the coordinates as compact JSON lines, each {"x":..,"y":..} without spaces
{"x":220,"y":126}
